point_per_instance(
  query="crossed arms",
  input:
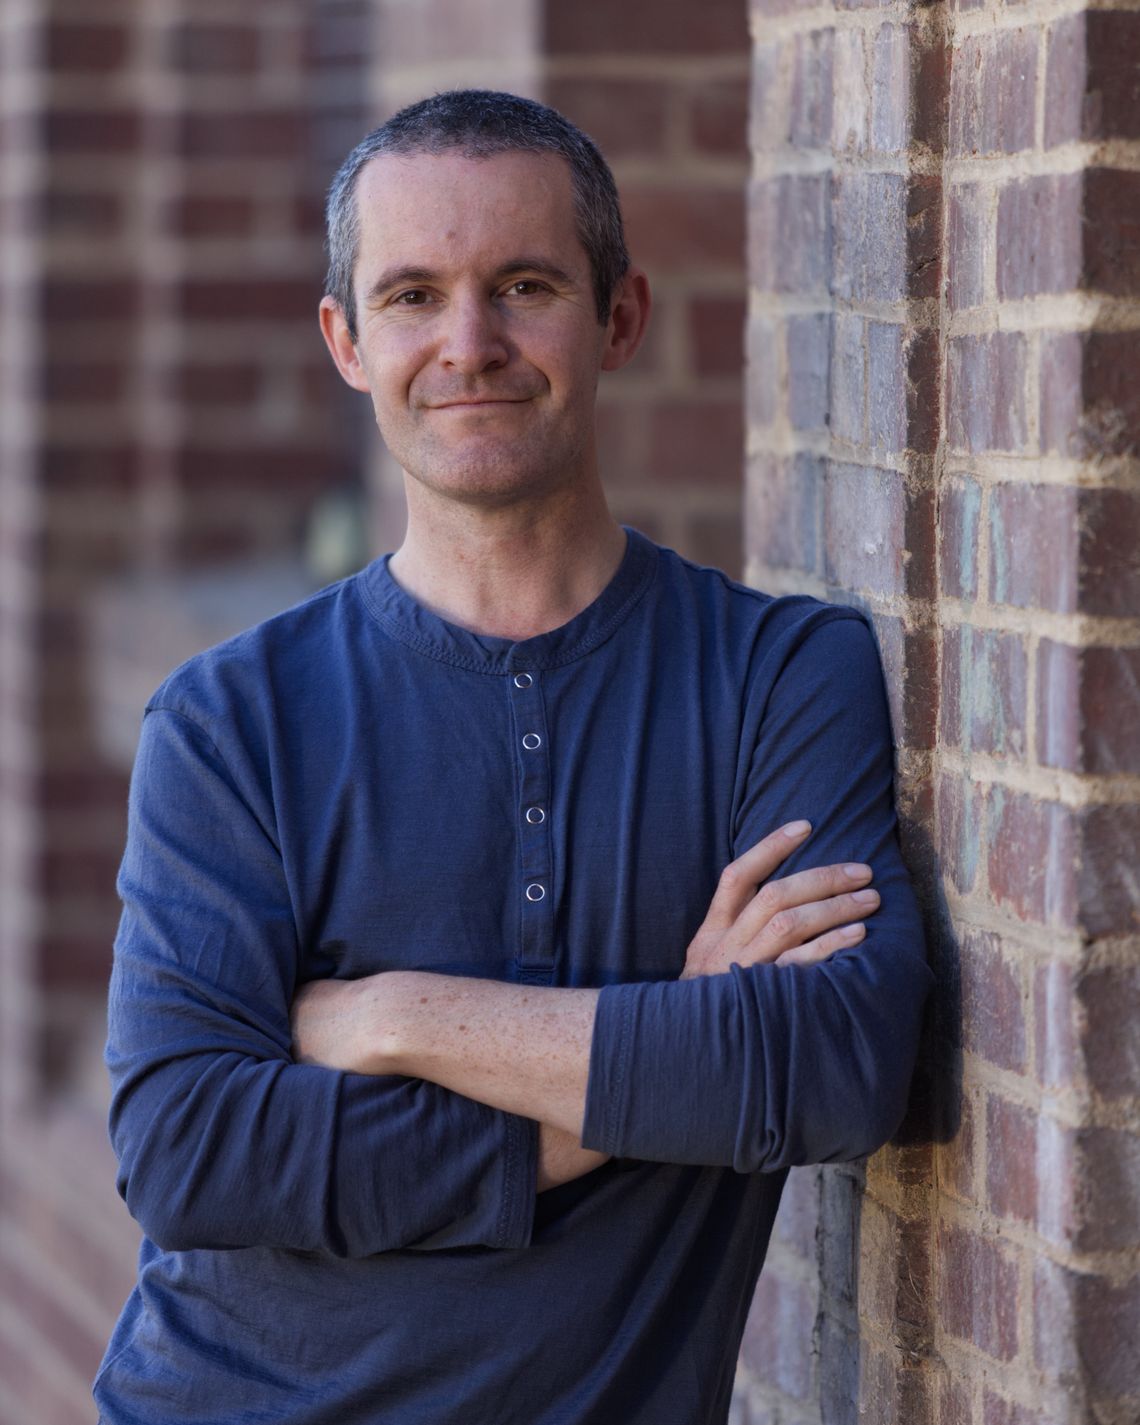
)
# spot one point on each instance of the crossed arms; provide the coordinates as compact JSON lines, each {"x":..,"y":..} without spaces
{"x":226,"y":1141}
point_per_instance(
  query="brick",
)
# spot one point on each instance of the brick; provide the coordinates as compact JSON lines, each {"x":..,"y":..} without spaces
{"x":92,"y":131}
{"x":625,"y":117}
{"x":959,"y":516}
{"x":698,"y":440}
{"x":1032,"y":851}
{"x":636,"y":27}
{"x":1110,"y":1185}
{"x":672,"y":229}
{"x":1111,"y":420}
{"x":94,"y":213}
{"x":922,"y":390}
{"x":968,"y":230}
{"x":767,"y":104}
{"x":985,"y":392}
{"x":258,"y":299}
{"x":886,"y":390}
{"x":1065,"y":74}
{"x":1061,"y":413}
{"x":80,"y":300}
{"x":778,"y":1335}
{"x":1111,"y":231}
{"x":993,"y":93}
{"x":851,"y":100}
{"x":1033,"y":538}
{"x":848,"y":403}
{"x":268,"y":467}
{"x":954,"y":1402}
{"x":195,"y":48}
{"x":199,"y":215}
{"x":808,"y":367}
{"x":790,"y":234}
{"x":1054,"y":1029}
{"x":797,"y":1221}
{"x":910,"y":661}
{"x":1039,"y":236}
{"x":718,"y":119}
{"x":993,"y":1010}
{"x":1107,"y":1327}
{"x":110,"y":471}
{"x":761,"y":338}
{"x":215,"y":383}
{"x":1109,"y":572}
{"x":809,"y":116}
{"x":782,"y":511}
{"x":960,"y":810}
{"x":1011,"y":1160}
{"x":242,"y":134}
{"x":1110,"y":1003}
{"x":984,"y":678}
{"x":890,"y":88}
{"x":85,"y":382}
{"x":930,"y":84}
{"x":1089,"y":708}
{"x":716,"y":335}
{"x":978,"y":1292}
{"x":878,"y":535}
{"x":1111,"y":107}
{"x":1054,"y":1302}
{"x":1106,"y":898}
{"x":871,"y":232}
{"x":73,"y":47}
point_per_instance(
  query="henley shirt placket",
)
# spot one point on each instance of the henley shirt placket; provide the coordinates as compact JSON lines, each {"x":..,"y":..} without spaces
{"x":535,"y":956}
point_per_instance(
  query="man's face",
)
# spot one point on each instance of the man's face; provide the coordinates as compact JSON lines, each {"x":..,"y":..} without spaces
{"x":478,"y":336}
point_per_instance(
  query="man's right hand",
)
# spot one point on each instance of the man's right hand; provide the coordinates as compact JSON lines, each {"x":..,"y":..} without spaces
{"x":800,"y":919}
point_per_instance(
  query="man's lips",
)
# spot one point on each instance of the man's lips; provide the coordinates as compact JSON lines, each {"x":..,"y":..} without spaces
{"x":467,"y":402}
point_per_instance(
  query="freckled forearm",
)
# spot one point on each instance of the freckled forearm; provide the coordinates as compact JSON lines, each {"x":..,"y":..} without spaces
{"x":523,"y":1049}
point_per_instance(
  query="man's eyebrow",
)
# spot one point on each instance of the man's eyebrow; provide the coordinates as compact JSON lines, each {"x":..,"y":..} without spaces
{"x":417,"y":276}
{"x":399,"y":277}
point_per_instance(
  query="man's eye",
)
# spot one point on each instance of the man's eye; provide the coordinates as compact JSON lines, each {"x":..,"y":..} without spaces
{"x":414,"y":297}
{"x":524,"y":287}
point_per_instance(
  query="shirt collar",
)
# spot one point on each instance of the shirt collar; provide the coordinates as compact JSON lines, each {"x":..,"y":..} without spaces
{"x":403,"y":618}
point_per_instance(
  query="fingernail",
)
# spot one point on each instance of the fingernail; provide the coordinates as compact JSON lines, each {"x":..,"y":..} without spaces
{"x":796,"y":829}
{"x":856,"y":871}
{"x":865,"y":897}
{"x":851,"y":932}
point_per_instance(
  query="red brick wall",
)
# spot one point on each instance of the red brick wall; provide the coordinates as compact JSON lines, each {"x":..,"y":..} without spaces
{"x":944,"y":429}
{"x":166,"y":406}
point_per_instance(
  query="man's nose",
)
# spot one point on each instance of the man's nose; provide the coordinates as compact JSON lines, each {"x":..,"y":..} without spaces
{"x":474,"y":339}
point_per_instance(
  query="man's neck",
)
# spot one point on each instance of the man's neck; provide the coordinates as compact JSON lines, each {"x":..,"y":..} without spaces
{"x":511,"y":572}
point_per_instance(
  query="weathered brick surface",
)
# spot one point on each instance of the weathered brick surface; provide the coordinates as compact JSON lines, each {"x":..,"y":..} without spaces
{"x":1017,"y":778}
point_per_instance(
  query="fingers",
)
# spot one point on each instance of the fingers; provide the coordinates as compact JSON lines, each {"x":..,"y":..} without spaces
{"x":740,"y":878}
{"x":777,"y":900}
{"x":823,"y":946}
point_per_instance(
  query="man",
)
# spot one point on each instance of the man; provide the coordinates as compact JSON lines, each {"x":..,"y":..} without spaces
{"x":457,"y":1060}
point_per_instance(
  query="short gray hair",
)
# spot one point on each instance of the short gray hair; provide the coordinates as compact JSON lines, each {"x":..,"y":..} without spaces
{"x":478,"y":123}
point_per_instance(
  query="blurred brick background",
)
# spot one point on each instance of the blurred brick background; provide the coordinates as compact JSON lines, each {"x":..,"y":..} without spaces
{"x":942,"y":236}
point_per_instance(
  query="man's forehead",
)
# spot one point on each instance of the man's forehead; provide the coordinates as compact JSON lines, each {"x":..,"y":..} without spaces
{"x":451,"y":201}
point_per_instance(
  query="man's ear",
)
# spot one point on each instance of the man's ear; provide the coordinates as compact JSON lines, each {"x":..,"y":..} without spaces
{"x":339,"y":341}
{"x":628,"y":320}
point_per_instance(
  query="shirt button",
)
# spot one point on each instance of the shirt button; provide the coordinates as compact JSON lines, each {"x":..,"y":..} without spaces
{"x":535,"y":815}
{"x":531,"y":740}
{"x":523,"y":680}
{"x":535,"y":892}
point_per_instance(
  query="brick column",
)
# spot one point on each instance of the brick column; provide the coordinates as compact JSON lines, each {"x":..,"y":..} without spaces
{"x":944,"y":429}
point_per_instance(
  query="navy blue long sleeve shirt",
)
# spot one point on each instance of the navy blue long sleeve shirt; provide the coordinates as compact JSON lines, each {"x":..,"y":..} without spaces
{"x":358,"y":786}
